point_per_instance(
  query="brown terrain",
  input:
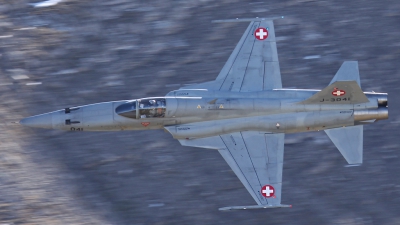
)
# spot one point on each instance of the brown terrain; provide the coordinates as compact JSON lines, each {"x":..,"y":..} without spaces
{"x":79,"y":52}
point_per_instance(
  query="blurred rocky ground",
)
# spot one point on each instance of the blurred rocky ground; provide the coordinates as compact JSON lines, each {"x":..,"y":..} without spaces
{"x":80,"y":51}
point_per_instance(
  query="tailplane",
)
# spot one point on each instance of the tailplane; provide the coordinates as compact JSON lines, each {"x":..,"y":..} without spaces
{"x":349,"y":141}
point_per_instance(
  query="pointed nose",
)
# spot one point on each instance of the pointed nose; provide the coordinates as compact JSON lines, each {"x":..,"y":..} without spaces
{"x":39,"y":121}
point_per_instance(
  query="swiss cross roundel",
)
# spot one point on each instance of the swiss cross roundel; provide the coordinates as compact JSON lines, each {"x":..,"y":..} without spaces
{"x":261,"y":33}
{"x":268,"y":191}
{"x":337,"y":92}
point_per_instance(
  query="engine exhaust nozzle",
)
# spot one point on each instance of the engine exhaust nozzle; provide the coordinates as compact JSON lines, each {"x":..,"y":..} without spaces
{"x":382,"y":113}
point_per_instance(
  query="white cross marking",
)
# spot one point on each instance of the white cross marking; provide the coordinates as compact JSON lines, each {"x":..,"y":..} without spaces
{"x":339,"y":93}
{"x":267,"y":191}
{"x":261,"y":33}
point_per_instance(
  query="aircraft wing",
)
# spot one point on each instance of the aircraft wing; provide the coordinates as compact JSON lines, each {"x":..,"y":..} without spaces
{"x":256,"y":158}
{"x":253,"y":65}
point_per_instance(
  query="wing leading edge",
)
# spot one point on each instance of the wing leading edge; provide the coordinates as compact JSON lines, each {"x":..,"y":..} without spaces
{"x":253,"y":65}
{"x":256,"y":159}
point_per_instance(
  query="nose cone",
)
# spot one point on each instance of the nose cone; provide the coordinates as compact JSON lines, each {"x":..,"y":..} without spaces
{"x":39,"y":121}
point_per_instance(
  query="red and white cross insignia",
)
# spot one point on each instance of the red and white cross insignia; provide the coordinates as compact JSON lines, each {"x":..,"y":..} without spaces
{"x":337,"y":92}
{"x":268,"y":191}
{"x":261,"y":33}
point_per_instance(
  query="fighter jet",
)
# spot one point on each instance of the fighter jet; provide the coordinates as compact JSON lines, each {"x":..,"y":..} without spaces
{"x":244,"y":114}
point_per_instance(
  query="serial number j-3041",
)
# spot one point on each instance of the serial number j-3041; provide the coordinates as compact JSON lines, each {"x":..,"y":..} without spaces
{"x":334,"y":99}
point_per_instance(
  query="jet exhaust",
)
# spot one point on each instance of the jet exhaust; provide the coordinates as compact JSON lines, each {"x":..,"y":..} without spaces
{"x":381,"y":113}
{"x":382,"y":101}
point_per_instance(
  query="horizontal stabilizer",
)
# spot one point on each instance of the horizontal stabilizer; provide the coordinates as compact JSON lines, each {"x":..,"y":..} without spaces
{"x":254,"y":207}
{"x":340,"y":92}
{"x":348,"y":71}
{"x":349,"y":141}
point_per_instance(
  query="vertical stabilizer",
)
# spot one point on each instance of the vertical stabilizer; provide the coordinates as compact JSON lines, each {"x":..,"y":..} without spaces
{"x":347,"y":72}
{"x":349,"y":141}
{"x":340,"y":92}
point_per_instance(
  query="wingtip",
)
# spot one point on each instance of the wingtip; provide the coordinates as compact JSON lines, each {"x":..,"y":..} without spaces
{"x":232,"y":208}
{"x":246,"y":19}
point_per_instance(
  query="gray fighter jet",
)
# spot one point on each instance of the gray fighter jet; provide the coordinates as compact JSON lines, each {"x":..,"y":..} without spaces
{"x":244,"y":114}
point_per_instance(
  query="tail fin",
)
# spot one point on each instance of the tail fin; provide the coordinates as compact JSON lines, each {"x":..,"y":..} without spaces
{"x":348,"y":71}
{"x":345,"y":88}
{"x":340,"y":92}
{"x":349,"y":141}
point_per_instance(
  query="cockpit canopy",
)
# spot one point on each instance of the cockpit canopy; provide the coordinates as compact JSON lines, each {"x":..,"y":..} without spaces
{"x":148,"y":108}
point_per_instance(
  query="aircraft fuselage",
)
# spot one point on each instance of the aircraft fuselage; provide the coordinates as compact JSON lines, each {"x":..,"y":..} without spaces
{"x":277,"y":111}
